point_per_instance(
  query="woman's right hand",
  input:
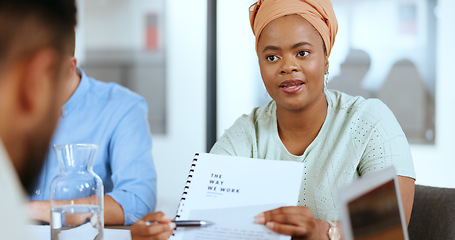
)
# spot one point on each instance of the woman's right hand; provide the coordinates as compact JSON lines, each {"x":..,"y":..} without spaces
{"x":160,"y":230}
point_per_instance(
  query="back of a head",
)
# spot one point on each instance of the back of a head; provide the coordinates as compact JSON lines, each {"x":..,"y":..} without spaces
{"x":36,"y":36}
{"x":27,"y":26}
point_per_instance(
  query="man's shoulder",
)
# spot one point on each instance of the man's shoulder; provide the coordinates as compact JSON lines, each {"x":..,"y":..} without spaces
{"x":112,"y":92}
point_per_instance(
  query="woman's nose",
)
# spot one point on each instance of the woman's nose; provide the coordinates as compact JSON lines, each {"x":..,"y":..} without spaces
{"x":289,"y":65}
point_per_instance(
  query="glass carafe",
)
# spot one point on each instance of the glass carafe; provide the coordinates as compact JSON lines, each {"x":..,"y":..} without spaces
{"x":76,"y":195}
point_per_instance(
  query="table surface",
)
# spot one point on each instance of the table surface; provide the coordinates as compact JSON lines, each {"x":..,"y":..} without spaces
{"x":42,"y":232}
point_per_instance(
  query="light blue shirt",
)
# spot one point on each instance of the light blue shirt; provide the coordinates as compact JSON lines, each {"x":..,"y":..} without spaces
{"x":115,"y":119}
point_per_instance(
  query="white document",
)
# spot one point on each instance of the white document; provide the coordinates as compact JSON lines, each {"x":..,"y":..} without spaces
{"x":231,"y":191}
{"x":84,"y":231}
{"x":231,"y":223}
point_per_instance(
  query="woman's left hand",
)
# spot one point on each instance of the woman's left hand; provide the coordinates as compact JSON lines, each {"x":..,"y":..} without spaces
{"x":294,"y":221}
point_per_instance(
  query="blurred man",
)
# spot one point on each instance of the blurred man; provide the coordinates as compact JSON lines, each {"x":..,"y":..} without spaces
{"x":115,"y":119}
{"x":35,"y":36}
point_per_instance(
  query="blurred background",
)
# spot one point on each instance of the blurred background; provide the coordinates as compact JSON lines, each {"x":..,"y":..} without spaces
{"x":399,"y":51}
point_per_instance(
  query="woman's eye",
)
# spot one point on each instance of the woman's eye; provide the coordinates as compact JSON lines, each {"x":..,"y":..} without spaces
{"x":272,"y":58}
{"x":303,"y":53}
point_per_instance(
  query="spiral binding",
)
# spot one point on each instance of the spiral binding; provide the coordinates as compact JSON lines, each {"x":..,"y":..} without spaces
{"x":187,"y":186}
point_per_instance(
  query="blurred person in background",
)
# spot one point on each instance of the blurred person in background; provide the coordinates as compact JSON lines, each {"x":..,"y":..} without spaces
{"x":114,"y":118}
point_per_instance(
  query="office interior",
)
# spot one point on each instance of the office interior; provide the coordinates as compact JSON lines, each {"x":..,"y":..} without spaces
{"x":397,"y":50}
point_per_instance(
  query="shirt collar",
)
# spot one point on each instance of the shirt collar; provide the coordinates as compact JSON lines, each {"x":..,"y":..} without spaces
{"x":78,"y":94}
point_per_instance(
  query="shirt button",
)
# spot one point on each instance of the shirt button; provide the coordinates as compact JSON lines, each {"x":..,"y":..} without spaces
{"x":38,"y":192}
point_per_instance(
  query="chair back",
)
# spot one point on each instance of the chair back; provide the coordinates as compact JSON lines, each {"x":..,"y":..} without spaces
{"x":433,"y":213}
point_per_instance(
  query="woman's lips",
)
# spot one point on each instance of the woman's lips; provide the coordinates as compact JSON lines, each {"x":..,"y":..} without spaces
{"x":291,"y":86}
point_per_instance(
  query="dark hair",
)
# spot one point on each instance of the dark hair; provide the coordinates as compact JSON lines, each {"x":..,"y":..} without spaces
{"x":27,"y":26}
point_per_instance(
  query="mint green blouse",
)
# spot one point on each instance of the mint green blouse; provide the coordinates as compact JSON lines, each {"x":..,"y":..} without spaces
{"x":358,"y":136}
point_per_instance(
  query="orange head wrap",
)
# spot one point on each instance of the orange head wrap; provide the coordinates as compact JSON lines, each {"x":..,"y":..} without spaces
{"x":318,"y":13}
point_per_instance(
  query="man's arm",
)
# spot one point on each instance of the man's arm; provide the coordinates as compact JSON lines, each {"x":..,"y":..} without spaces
{"x":131,"y":162}
{"x":113,"y":212}
{"x":39,"y":211}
